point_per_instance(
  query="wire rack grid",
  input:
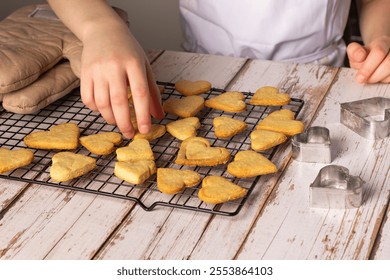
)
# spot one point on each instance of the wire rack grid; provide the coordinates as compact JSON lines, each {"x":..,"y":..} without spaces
{"x":102,"y":181}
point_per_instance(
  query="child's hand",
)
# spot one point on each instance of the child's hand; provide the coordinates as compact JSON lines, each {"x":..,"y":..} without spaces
{"x":112,"y":60}
{"x":371,"y":61}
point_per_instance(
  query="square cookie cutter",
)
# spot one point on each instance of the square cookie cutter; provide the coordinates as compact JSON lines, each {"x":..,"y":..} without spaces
{"x":335,"y":188}
{"x":369,"y":118}
{"x":312,"y":145}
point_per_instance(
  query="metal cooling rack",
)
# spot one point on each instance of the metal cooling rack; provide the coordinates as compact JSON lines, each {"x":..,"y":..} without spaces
{"x":102,"y":181}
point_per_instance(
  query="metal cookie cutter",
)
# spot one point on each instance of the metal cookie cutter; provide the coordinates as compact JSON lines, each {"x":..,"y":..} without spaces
{"x":335,"y":188}
{"x":312,"y":145}
{"x":369,"y":118}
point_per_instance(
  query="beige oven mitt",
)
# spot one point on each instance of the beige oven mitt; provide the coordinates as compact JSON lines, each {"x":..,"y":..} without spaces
{"x":40,"y":59}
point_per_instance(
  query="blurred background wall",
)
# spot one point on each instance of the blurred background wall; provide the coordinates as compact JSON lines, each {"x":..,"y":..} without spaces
{"x":155,"y":23}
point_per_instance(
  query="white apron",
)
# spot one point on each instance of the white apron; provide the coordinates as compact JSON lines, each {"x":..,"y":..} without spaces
{"x":301,"y":31}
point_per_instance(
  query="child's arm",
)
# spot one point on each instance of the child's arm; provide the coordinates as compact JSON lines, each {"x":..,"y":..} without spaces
{"x":112,"y":59}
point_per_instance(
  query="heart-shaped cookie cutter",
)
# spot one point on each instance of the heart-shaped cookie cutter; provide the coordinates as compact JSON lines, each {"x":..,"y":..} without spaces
{"x":335,"y":188}
{"x":312,"y":145}
{"x":369,"y":118}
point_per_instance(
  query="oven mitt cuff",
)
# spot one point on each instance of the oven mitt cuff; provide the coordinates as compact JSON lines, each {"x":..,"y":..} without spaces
{"x":52,"y":85}
{"x":32,"y":42}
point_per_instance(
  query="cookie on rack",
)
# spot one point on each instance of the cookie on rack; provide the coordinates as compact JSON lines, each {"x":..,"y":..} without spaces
{"x":230,"y":101}
{"x":64,"y":136}
{"x":226,"y":127}
{"x":69,"y":165}
{"x":197,"y":151}
{"x":183,"y":128}
{"x":171,"y":180}
{"x":135,"y":172}
{"x":189,"y":88}
{"x":138,"y":149}
{"x":269,"y":96}
{"x":217,"y":189}
{"x":13,"y":159}
{"x":250,"y":164}
{"x":156,"y":131}
{"x":280,"y":121}
{"x":184,"y":107}
{"x":102,"y":143}
{"x":262,"y":140}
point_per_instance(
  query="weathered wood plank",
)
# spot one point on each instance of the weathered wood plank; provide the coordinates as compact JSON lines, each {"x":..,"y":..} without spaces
{"x":18,"y":240}
{"x":132,"y":243}
{"x":381,"y":250}
{"x":289,"y":229}
{"x":220,"y":237}
{"x":307,"y":82}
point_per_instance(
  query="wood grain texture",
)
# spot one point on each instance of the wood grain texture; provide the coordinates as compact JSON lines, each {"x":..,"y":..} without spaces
{"x":170,"y":233}
{"x":289,"y":229}
{"x":41,"y":222}
{"x":183,"y":235}
{"x":301,"y":81}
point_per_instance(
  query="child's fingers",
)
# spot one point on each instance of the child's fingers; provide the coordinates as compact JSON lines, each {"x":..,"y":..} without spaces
{"x":141,"y":99}
{"x":377,"y":55}
{"x":120,"y":105}
{"x":356,"y":53}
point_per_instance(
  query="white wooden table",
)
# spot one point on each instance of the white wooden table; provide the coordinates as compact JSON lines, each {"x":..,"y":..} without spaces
{"x":42,"y":222}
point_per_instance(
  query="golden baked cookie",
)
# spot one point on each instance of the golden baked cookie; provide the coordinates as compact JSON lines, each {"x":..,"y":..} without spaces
{"x":102,"y":143}
{"x":197,"y":151}
{"x":225,"y":127}
{"x":280,"y":121}
{"x":230,"y":101}
{"x":13,"y":159}
{"x":184,"y":107}
{"x":171,"y":181}
{"x":250,"y":164}
{"x":262,"y":140}
{"x":135,"y":172}
{"x":137,"y":149}
{"x":188,"y":88}
{"x":217,"y":189}
{"x":283,"y":114}
{"x":60,"y":137}
{"x":156,"y":131}
{"x":68,"y":165}
{"x":269,"y":96}
{"x":183,"y":128}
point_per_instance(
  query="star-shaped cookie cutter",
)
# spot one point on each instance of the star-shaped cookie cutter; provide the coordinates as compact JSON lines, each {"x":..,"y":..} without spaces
{"x":335,"y":188}
{"x":369,"y":118}
{"x":312,"y":145}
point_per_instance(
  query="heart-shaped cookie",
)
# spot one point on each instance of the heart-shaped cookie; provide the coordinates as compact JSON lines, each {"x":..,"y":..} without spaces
{"x":217,"y":189}
{"x":282,"y":114}
{"x":188,"y":88}
{"x":156,"y":131}
{"x":135,"y":172}
{"x":137,"y":149}
{"x":101,"y":143}
{"x":197,"y":151}
{"x":68,"y":165}
{"x":184,"y":128}
{"x":171,"y":181}
{"x":280,"y":121}
{"x":184,"y":107}
{"x":269,"y":96}
{"x":250,"y":164}
{"x":13,"y":159}
{"x":225,"y":127}
{"x":230,"y":101}
{"x":60,"y":137}
{"x":262,"y":140}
